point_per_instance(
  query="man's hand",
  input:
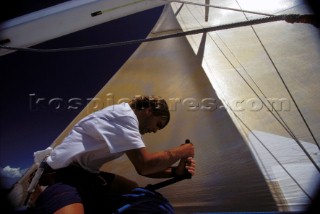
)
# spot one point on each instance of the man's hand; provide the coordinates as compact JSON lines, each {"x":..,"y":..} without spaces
{"x":187,"y":165}
{"x":187,"y":150}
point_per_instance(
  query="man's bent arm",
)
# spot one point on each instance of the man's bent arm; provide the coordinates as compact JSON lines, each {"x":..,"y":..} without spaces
{"x":147,"y":163}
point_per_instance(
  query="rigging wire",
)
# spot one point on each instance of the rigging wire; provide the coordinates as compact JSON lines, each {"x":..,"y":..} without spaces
{"x":250,"y":130}
{"x":270,"y":110}
{"x":219,"y":7}
{"x":292,"y":18}
{"x":290,"y":132}
{"x":284,"y":123}
{"x":275,"y":158}
{"x":290,"y":94}
{"x":288,"y":91}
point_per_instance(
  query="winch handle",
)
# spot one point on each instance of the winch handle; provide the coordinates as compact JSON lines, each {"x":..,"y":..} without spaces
{"x":187,"y":175}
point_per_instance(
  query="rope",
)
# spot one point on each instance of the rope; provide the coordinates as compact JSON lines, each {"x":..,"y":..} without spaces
{"x":290,"y":17}
{"x":295,"y":103}
{"x":301,"y":19}
{"x":219,"y":7}
{"x":270,"y":110}
{"x":285,"y":126}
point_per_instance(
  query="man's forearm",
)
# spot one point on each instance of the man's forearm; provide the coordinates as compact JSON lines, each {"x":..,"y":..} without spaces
{"x":150,"y":163}
{"x":167,"y":173}
{"x":161,"y":161}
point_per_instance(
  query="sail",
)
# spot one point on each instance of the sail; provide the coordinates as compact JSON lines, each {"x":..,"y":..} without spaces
{"x":65,"y":18}
{"x":246,"y":159}
{"x":228,"y":178}
{"x":267,"y":78}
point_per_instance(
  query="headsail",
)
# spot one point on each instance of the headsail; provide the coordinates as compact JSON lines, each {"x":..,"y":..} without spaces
{"x":212,"y":88}
{"x":228,"y":178}
{"x":267,"y":77}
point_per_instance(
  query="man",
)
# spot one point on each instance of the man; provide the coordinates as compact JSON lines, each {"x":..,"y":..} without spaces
{"x":75,"y":184}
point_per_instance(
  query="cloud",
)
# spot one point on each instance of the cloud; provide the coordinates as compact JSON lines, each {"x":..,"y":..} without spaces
{"x":9,"y":176}
{"x":11,"y":172}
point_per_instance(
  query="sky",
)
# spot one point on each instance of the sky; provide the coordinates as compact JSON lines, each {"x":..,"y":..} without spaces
{"x":33,"y":83}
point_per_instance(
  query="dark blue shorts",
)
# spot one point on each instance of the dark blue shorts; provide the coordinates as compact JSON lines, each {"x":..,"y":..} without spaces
{"x":75,"y":185}
{"x":57,"y":196}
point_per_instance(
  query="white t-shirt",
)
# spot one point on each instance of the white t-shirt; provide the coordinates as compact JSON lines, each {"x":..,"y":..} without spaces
{"x":98,"y":138}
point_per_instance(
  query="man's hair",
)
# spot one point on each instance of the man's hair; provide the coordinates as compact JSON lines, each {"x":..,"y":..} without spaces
{"x":158,"y":105}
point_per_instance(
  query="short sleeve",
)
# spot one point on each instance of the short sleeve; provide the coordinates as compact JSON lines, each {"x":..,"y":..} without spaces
{"x":120,"y":133}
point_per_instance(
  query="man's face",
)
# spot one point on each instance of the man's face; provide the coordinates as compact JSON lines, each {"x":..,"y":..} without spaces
{"x":150,"y":123}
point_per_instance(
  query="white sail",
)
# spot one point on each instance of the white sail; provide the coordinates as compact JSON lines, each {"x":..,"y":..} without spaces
{"x":228,"y":178}
{"x":267,"y":77}
{"x":202,"y":77}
